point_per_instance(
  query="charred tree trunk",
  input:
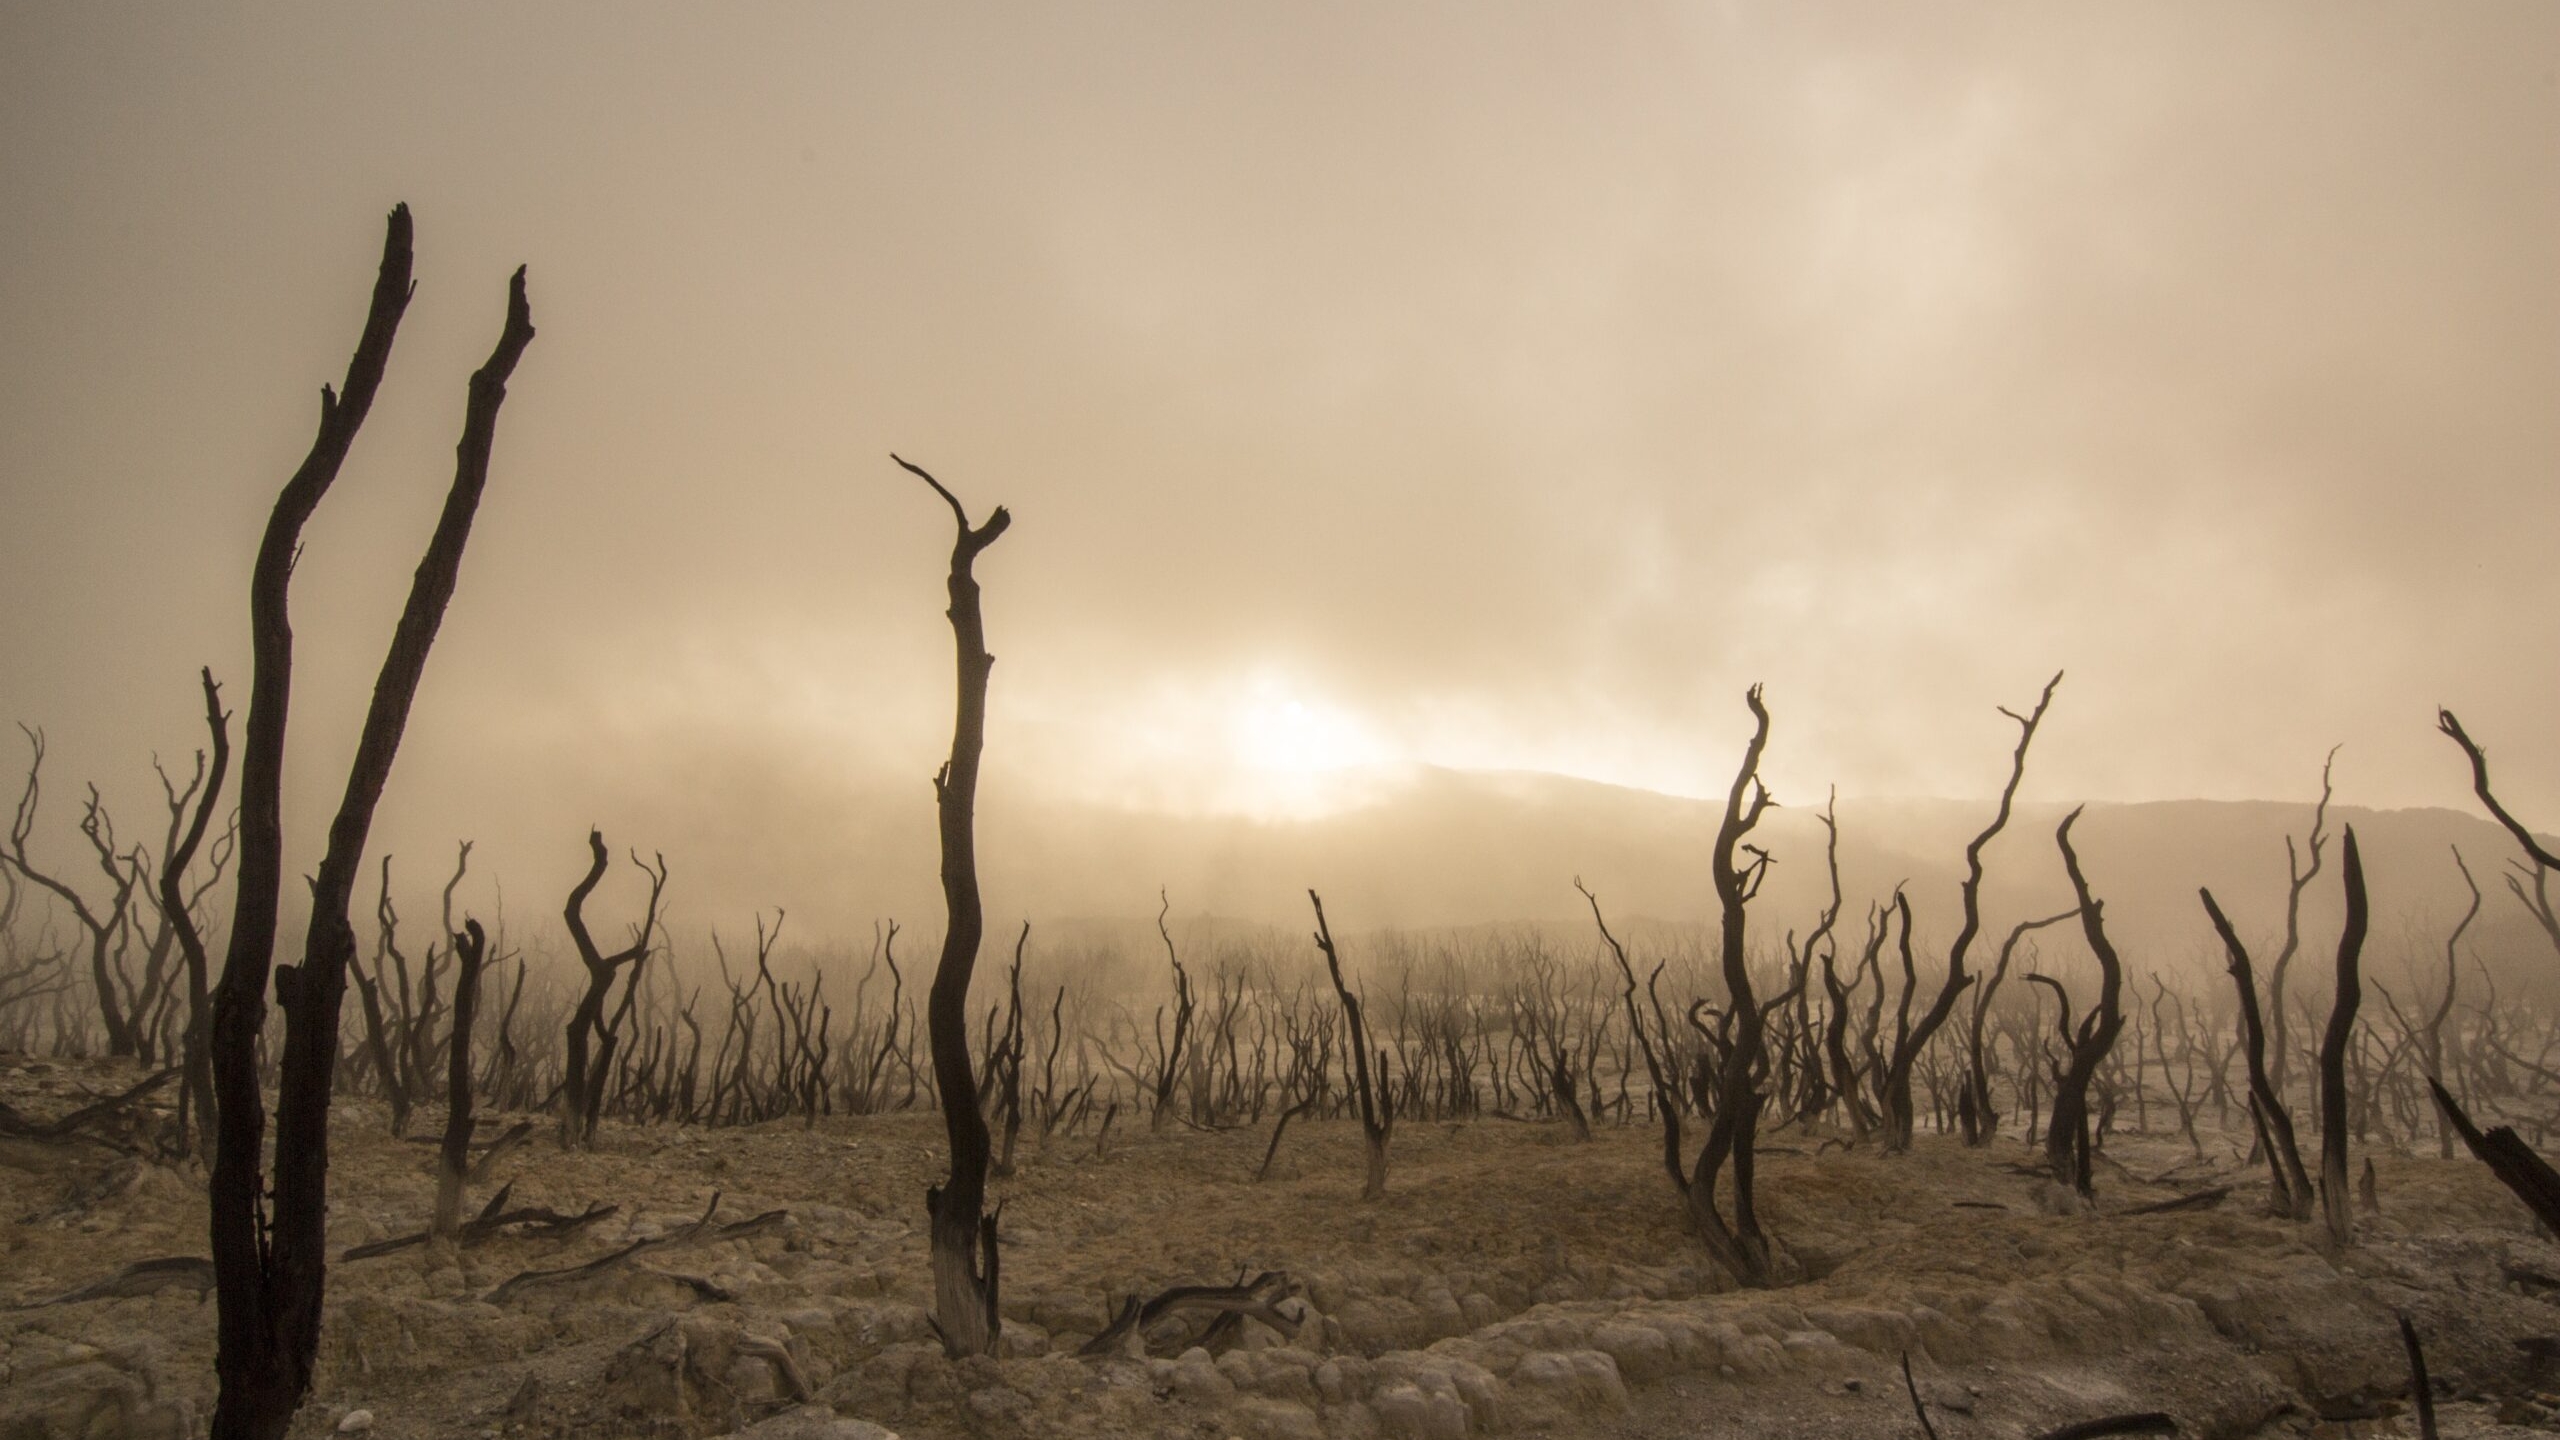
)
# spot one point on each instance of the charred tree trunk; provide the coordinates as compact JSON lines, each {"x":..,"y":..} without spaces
{"x":1170,"y":1051}
{"x":453,"y":1159}
{"x":2292,"y":1185}
{"x":963,"y":1238}
{"x":270,"y":1267}
{"x":2066,"y":1146}
{"x":582,"y":1078}
{"x":1738,"y":1244}
{"x":2525,"y":1174}
{"x":1377,"y":1102}
{"x":1009,"y":1053}
{"x":173,"y":902}
{"x":2298,"y":878}
{"x":2333,"y":1051}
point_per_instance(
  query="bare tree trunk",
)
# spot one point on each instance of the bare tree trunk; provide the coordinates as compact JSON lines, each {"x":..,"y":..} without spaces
{"x":173,"y":903}
{"x":2333,"y":1052}
{"x":1377,"y":1104}
{"x":271,"y":1268}
{"x":2066,"y":1141}
{"x":1740,"y":1246}
{"x":453,"y":1159}
{"x":582,"y":1078}
{"x":2274,"y":1124}
{"x":963,"y":1239}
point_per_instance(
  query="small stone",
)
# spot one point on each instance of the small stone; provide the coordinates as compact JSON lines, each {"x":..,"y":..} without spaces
{"x":355,"y":1422}
{"x":1853,"y":1386}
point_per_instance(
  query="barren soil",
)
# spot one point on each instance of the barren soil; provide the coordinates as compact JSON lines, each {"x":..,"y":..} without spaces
{"x":1513,"y":1282}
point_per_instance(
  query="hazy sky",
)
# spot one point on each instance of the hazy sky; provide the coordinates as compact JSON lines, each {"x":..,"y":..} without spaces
{"x":1487,"y":385}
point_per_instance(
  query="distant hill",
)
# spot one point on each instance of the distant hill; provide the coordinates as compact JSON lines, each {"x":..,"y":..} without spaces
{"x":1445,"y":847}
{"x":1437,"y":847}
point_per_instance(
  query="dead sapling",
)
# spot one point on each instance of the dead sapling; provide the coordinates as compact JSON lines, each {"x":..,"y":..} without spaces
{"x":105,"y":924}
{"x":453,"y":1157}
{"x":1377,"y":1102}
{"x":179,"y":906}
{"x":2334,"y":1202}
{"x":1895,"y":1100}
{"x":589,"y":1039}
{"x":2068,"y":1145}
{"x":1169,"y":1051}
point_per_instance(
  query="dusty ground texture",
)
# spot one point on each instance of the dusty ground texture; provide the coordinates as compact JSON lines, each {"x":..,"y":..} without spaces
{"x":1513,"y":1282}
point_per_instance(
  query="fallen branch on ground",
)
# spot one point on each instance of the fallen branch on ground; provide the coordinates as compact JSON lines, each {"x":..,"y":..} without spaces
{"x":20,"y":1127}
{"x":142,"y":1277}
{"x":1254,"y":1299}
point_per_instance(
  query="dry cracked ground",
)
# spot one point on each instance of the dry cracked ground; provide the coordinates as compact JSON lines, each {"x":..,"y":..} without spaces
{"x":1513,"y":1282}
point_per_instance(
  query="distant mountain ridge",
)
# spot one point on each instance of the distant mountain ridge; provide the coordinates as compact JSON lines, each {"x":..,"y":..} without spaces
{"x":1442,"y":848}
{"x":1456,"y":847}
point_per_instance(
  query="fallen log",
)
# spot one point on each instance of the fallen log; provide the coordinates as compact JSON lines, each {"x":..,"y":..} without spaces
{"x":17,"y":1126}
{"x":2200,"y":1200}
{"x":2148,"y":1422}
{"x":701,"y":1229}
{"x":142,"y":1277}
{"x":1232,"y":1304}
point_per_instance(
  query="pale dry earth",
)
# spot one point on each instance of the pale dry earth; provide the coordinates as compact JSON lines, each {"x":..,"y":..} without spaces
{"x":1513,"y":1282}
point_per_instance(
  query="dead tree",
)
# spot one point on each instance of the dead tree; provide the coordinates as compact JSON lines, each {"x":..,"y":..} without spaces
{"x":2538,"y":902}
{"x":27,"y":974}
{"x":582,"y":1079}
{"x":1169,"y":1052}
{"x":103,"y":924}
{"x":963,"y":1238}
{"x":2291,"y":1184}
{"x":2333,"y":1051}
{"x":175,"y":903}
{"x":1974,"y":1110}
{"x":2431,"y":1037}
{"x":1907,"y":1046}
{"x":1737,"y":869}
{"x":1377,"y":1103}
{"x":378,"y":1027}
{"x":2066,"y":1141}
{"x":270,"y":1265}
{"x":1006,"y":1057}
{"x":2298,"y":878}
{"x":453,"y":1158}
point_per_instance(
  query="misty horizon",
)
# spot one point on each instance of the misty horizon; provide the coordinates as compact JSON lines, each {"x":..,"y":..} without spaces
{"x":1374,"y":400}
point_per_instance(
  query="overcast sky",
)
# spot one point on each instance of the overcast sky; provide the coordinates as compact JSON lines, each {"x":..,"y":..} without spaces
{"x":1498,"y":386}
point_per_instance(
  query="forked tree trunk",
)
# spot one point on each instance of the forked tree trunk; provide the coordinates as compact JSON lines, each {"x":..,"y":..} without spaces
{"x":2066,"y":1141}
{"x":582,"y":1077}
{"x":270,"y":1267}
{"x":1740,"y":1245}
{"x":1907,"y":1047}
{"x":173,"y":903}
{"x":963,"y":1238}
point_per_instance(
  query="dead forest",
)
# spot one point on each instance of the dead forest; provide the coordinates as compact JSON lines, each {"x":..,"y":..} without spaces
{"x":484,"y":1061}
